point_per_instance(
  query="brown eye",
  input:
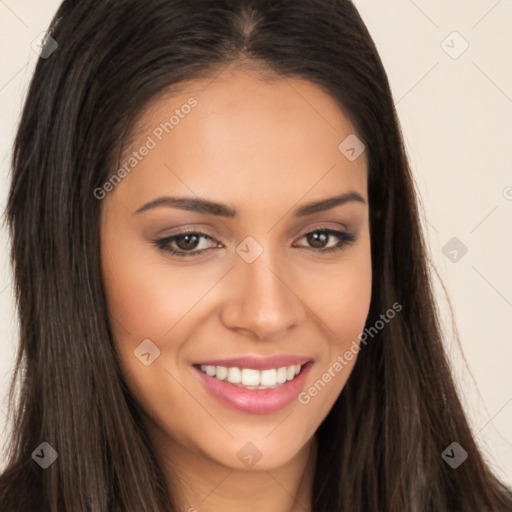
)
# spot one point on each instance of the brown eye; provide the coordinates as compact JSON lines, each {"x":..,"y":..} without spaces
{"x":321,"y":238}
{"x":318,"y":239}
{"x":187,"y":242}
{"x":184,"y":244}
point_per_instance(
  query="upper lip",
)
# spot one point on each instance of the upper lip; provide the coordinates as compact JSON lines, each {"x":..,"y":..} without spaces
{"x":257,"y":363}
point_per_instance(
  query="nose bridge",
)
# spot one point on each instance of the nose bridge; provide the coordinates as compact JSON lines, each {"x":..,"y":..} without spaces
{"x":261,"y":301}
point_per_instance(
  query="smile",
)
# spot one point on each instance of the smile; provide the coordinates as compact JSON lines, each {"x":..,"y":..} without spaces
{"x":250,"y":378}
{"x":251,"y":390}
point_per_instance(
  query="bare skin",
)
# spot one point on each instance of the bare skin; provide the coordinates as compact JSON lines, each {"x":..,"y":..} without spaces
{"x":264,"y":148}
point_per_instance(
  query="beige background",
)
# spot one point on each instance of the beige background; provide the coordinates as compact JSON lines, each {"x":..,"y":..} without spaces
{"x":456,"y":115}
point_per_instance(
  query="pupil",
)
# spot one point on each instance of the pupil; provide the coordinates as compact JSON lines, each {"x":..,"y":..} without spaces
{"x":190,"y":241}
{"x":317,"y":240}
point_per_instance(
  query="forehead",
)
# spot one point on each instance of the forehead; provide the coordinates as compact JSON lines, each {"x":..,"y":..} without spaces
{"x":244,"y":135}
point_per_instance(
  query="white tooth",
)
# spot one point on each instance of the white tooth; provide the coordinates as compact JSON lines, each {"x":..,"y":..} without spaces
{"x":281,"y":375}
{"x":250,"y":377}
{"x":221,"y":373}
{"x":210,"y":370}
{"x":269,"y":377}
{"x":234,"y":375}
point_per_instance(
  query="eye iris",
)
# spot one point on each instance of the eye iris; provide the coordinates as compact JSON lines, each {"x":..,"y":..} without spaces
{"x":191,"y":241}
{"x":317,"y":239}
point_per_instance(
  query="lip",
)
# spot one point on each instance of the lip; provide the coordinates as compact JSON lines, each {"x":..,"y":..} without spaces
{"x":255,"y":401}
{"x":257,"y":363}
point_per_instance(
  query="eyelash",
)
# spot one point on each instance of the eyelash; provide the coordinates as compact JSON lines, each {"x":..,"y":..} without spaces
{"x":164,"y":244}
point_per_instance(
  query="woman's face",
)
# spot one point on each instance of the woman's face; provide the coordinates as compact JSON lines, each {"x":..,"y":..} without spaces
{"x":272,"y":280}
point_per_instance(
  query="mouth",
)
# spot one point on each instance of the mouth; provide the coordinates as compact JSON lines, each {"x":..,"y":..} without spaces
{"x":255,"y":390}
{"x":250,"y":378}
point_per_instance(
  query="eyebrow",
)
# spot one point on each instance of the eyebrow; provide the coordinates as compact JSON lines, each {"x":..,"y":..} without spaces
{"x":223,"y":210}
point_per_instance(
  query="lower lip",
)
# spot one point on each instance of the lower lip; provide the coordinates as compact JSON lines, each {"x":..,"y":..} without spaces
{"x":256,"y":401}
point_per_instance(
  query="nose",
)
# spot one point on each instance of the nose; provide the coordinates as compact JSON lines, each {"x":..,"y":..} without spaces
{"x":262,"y":301}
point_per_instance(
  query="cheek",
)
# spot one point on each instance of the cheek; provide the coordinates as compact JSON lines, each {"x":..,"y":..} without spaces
{"x":150,"y":300}
{"x":340,"y":293}
{"x":146,"y":297}
{"x":341,"y":298}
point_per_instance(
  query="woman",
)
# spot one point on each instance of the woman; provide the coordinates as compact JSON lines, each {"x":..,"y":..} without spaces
{"x":223,"y":289}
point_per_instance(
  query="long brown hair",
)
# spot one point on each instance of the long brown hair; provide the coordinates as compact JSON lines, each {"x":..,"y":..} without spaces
{"x":379,"y":449}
